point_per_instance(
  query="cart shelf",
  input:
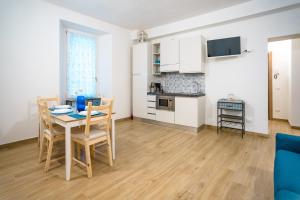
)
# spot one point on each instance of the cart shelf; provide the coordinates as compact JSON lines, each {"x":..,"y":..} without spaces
{"x":231,"y":113}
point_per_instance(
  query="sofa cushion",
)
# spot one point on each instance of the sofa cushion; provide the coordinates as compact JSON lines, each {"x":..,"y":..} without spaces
{"x":287,"y":195}
{"x":287,"y":172}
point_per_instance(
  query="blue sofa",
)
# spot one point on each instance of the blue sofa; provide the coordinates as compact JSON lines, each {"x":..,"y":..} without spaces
{"x":287,"y":167}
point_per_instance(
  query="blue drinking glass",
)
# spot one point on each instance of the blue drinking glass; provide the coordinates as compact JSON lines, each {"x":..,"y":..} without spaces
{"x":80,"y":103}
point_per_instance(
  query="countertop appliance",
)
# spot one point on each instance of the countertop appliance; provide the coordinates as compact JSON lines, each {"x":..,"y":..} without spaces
{"x":165,"y":102}
{"x":157,"y":87}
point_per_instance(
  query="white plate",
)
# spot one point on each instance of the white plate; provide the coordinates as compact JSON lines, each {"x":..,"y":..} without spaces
{"x":62,"y":106}
{"x":61,"y":111}
{"x":84,"y":113}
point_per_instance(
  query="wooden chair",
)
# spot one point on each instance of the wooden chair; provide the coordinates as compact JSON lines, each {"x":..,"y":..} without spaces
{"x":51,"y":133}
{"x":40,"y":101}
{"x":97,"y":131}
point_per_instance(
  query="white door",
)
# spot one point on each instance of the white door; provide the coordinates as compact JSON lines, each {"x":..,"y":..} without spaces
{"x":140,"y":64}
{"x":140,"y":58}
{"x":139,"y":95}
{"x":172,"y":51}
{"x":169,"y":54}
{"x":191,"y":55}
{"x":163,"y":53}
{"x":280,"y":68}
{"x":165,"y":116}
{"x":186,"y":111}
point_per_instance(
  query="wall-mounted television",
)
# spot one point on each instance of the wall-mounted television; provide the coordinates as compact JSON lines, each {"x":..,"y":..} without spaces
{"x":224,"y":47}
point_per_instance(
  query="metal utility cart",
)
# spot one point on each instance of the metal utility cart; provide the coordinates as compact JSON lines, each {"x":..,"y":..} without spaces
{"x":231,"y":114}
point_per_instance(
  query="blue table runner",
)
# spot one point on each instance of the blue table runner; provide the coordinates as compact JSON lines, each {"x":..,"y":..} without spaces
{"x":78,"y":116}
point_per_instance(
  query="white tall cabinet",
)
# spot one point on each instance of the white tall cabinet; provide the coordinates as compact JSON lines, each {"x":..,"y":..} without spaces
{"x":140,"y":73}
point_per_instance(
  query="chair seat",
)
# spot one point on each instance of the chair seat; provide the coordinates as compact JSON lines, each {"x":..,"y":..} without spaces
{"x":94,"y":133}
{"x":287,"y":172}
{"x":57,"y":130}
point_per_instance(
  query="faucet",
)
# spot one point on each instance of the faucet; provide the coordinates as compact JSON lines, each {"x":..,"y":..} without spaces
{"x":197,"y":87}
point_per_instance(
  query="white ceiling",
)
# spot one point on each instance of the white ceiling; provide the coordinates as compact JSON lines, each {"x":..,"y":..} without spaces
{"x":142,"y":14}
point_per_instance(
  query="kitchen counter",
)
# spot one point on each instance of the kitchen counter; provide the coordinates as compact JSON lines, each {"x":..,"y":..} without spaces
{"x":200,"y":94}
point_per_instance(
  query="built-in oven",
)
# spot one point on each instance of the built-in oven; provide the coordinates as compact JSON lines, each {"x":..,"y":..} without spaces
{"x":165,"y":102}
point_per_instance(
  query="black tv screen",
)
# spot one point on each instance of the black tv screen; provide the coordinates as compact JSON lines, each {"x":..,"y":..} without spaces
{"x":224,"y":47}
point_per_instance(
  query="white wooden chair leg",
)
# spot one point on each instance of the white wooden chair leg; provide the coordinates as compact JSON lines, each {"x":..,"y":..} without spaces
{"x":42,"y":146}
{"x":88,"y":160}
{"x":109,"y":152}
{"x":49,"y":154}
{"x":39,"y":137}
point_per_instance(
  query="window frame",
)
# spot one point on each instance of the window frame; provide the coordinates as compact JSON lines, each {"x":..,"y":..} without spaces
{"x":65,"y":60}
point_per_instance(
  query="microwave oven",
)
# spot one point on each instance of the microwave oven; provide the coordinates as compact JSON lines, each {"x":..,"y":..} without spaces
{"x":165,"y":102}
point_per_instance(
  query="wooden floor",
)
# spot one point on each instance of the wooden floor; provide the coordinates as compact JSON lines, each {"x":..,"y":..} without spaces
{"x":153,"y":162}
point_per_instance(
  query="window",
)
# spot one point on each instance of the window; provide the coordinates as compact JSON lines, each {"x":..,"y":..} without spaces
{"x":81,"y":64}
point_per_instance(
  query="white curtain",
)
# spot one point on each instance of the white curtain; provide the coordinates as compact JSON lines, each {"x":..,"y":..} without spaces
{"x":81,"y":63}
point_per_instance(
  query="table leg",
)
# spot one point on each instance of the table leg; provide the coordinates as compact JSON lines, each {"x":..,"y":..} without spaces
{"x":113,"y":139}
{"x":68,"y":152}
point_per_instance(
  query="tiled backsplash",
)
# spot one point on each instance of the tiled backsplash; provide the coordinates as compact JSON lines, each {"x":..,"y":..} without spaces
{"x":181,"y":83}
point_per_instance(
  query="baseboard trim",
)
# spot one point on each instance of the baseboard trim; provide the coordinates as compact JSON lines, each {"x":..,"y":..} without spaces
{"x":277,"y":119}
{"x":193,"y":130}
{"x":247,"y":132}
{"x":181,"y":127}
{"x":295,"y":127}
{"x":18,"y":143}
{"x":285,"y":120}
{"x":123,"y":119}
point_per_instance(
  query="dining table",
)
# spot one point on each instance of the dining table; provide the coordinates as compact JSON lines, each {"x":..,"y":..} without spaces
{"x":68,"y":121}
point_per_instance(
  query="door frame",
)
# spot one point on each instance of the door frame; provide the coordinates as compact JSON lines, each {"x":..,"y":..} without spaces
{"x":270,"y":86}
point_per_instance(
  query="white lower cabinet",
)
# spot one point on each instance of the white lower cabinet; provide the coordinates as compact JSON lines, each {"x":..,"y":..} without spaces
{"x":151,"y":116}
{"x":151,"y":107}
{"x":190,"y":111}
{"x":151,"y":113}
{"x":165,"y":116}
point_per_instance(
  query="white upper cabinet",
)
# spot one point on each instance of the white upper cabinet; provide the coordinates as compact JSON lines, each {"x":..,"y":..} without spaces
{"x":169,"y":58}
{"x":191,"y":55}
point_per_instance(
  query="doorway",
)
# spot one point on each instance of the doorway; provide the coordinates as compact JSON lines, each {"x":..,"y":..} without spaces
{"x":279,"y":64}
{"x":284,"y":79}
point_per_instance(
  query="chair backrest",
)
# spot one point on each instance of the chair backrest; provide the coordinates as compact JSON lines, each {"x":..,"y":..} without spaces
{"x":43,"y":104}
{"x":50,"y":101}
{"x":45,"y":115}
{"x":105,"y":107}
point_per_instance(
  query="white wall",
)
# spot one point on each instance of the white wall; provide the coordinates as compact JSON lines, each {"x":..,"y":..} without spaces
{"x":233,"y":13}
{"x":29,"y":61}
{"x":105,"y":63}
{"x":295,"y":84}
{"x":281,"y":64}
{"x":245,"y":76}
